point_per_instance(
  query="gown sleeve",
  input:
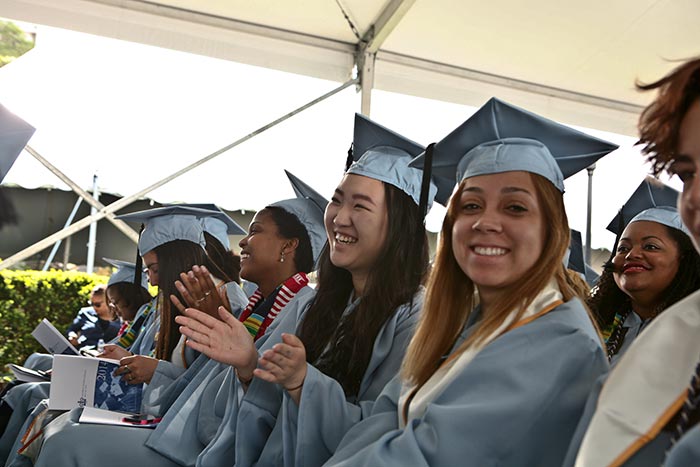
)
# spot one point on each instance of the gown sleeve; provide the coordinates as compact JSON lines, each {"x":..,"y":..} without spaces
{"x":310,"y":436}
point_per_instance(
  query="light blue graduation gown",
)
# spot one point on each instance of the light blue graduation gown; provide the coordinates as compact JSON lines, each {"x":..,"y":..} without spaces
{"x":517,"y":403}
{"x":650,"y":455}
{"x":218,"y":449}
{"x":22,"y":399}
{"x":39,"y":361}
{"x":187,"y":426}
{"x":25,"y":398}
{"x":310,"y":432}
{"x":686,"y":452}
{"x":626,"y":416}
{"x":633,"y":325}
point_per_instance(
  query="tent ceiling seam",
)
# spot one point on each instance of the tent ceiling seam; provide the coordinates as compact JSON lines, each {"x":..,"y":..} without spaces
{"x":207,"y":19}
{"x":527,"y":86}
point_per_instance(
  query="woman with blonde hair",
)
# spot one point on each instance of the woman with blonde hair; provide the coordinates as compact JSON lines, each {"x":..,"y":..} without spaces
{"x":505,"y":353}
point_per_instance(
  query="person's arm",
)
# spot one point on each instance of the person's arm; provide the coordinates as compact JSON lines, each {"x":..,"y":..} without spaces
{"x":225,"y":340}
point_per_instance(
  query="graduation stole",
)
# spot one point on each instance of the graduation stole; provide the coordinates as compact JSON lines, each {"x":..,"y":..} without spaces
{"x":133,"y":330}
{"x":614,"y":334}
{"x":252,"y":318}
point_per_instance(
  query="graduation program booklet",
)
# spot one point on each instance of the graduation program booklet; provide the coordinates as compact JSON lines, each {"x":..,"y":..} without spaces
{"x":90,"y":382}
{"x":52,"y":340}
{"x":29,"y":375}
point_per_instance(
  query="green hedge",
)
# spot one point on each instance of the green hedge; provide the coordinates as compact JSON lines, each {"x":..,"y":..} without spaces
{"x":26,"y":297}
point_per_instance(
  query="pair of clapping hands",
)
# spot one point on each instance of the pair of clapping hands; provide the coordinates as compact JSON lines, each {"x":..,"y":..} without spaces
{"x":198,"y":290}
{"x":211,"y":329}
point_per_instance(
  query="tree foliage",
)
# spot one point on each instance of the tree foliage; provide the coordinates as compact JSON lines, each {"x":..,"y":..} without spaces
{"x":26,"y":297}
{"x":13,"y":42}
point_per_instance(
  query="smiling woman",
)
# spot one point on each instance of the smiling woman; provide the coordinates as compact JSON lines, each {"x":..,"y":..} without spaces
{"x":505,"y":353}
{"x":647,"y":412}
{"x":499,"y":230}
{"x":654,"y":265}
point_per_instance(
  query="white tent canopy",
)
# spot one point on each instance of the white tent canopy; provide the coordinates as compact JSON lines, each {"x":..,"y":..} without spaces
{"x":574,"y":66}
{"x":572,"y":62}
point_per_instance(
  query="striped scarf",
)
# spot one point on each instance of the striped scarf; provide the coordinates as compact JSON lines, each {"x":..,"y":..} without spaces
{"x":132,"y":332}
{"x":255,"y":322}
{"x":688,"y":416}
{"x":614,"y":334}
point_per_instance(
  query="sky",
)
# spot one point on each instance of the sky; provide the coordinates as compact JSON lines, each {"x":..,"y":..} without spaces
{"x":132,"y":114}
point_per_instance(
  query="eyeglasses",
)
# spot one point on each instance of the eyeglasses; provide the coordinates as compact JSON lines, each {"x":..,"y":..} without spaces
{"x":152,"y":267}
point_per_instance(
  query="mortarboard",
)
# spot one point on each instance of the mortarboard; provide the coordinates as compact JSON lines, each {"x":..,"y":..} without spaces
{"x":218,"y":223}
{"x":14,"y":135}
{"x":125,"y":273}
{"x":309,"y":207}
{"x":500,"y":137}
{"x":165,"y":224}
{"x":651,"y":201}
{"x":576,"y":261}
{"x":383,"y":155}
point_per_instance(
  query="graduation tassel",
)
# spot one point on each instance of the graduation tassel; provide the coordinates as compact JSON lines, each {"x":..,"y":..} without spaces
{"x":608,"y":266}
{"x":425,"y":183}
{"x":350,"y":159}
{"x":139,"y":261}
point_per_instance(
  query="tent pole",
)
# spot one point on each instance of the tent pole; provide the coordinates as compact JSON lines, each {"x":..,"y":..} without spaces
{"x":371,"y":42}
{"x":366,"y":70}
{"x":121,"y":225}
{"x":589,"y":213}
{"x":119,"y":204}
{"x":92,"y":237}
{"x":57,"y":245}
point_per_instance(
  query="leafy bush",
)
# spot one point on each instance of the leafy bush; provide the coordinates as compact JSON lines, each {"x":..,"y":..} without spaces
{"x":26,"y":297}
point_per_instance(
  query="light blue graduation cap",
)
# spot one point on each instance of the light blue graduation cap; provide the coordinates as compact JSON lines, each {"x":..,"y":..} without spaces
{"x":383,"y":155}
{"x":14,"y":136}
{"x":218,"y":223}
{"x":126,"y":272}
{"x":651,"y":201}
{"x":169,"y":223}
{"x":309,"y":207}
{"x":500,"y":137}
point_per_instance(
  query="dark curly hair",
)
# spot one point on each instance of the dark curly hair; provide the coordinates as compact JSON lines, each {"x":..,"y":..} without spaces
{"x":607,"y":299}
{"x":660,"y":121}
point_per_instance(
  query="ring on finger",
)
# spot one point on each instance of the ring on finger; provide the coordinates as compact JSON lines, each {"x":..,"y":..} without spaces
{"x":206,"y":294}
{"x":127,"y":369}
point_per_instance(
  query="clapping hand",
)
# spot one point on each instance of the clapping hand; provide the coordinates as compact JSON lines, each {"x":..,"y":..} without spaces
{"x":198,"y":291}
{"x":225,"y":340}
{"x":285,"y":364}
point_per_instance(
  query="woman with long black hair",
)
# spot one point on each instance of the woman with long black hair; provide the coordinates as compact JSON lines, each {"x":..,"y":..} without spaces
{"x":356,"y":330}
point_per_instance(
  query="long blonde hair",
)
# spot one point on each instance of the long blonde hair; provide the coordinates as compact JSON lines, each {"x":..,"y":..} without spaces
{"x":450,"y":296}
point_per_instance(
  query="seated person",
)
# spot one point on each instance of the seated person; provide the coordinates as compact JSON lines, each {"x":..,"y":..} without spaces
{"x":94,"y":322}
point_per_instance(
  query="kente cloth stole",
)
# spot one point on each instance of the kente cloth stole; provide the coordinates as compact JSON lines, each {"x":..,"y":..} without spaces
{"x":258,"y":315}
{"x":617,"y":322}
{"x":132,"y":332}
